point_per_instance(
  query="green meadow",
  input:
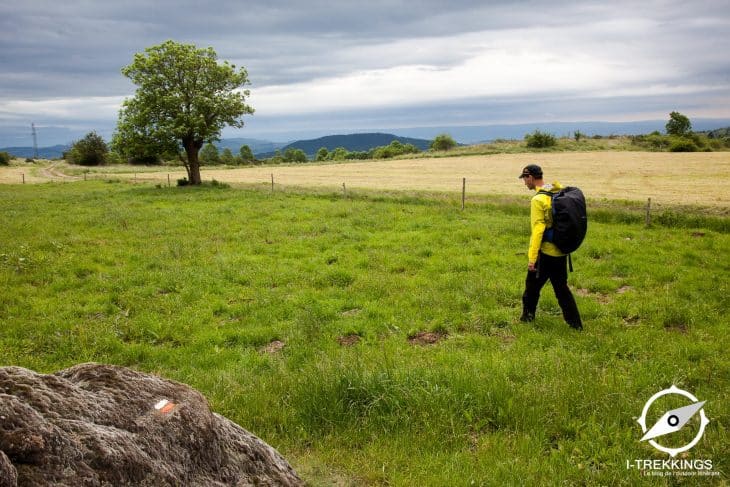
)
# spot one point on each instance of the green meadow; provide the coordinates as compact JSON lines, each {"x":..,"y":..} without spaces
{"x":373,"y":339}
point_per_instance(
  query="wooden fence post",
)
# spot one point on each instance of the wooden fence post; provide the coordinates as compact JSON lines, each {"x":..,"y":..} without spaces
{"x":272,"y":182}
{"x":463,"y":192}
{"x":648,"y":212}
{"x":344,"y":190}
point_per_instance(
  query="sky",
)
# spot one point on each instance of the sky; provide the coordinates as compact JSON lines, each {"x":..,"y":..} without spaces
{"x":325,"y":67}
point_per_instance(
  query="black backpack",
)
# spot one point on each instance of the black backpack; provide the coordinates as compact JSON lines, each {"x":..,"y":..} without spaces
{"x":570,"y":221}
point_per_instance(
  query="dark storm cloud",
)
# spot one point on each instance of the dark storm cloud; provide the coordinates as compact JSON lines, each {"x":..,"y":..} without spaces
{"x":61,"y":61}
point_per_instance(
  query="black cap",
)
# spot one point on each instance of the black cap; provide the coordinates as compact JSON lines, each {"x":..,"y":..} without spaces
{"x":531,"y":170}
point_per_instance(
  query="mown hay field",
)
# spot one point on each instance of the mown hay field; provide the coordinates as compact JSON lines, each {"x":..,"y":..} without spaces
{"x":699,"y":178}
{"x":667,"y":178}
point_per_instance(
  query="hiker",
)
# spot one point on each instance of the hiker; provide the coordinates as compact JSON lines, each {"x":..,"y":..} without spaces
{"x":545,"y":260}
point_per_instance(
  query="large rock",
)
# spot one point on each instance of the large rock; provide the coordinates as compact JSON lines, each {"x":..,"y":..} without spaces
{"x":109,"y":426}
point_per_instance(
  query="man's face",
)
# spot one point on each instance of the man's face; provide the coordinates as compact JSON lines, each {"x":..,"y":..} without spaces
{"x":529,"y":182}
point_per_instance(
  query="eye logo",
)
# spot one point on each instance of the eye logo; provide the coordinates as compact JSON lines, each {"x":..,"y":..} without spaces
{"x":673,"y":421}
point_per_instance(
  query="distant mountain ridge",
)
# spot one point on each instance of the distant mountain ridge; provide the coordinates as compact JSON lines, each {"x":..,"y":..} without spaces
{"x":53,"y":152}
{"x":354,"y":142}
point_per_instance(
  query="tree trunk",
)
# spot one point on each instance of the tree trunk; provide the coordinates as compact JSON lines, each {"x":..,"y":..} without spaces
{"x":192,"y":147}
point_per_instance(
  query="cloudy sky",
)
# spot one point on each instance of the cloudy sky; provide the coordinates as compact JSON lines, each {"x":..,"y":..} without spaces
{"x":319,"y":67}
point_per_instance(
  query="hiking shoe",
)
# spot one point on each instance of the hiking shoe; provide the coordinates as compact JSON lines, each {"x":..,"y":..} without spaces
{"x":576,"y":326}
{"x":527,"y":317}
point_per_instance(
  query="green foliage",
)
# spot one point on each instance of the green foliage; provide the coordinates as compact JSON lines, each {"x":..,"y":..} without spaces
{"x":339,"y":154}
{"x":277,"y":158}
{"x":322,"y":154}
{"x":653,"y":142}
{"x":246,"y":154}
{"x":184,"y":98}
{"x":358,"y":155}
{"x":89,"y":151}
{"x":114,"y":158}
{"x":443,"y":142}
{"x":578,"y":135}
{"x":395,"y":148}
{"x":137,"y":146}
{"x":5,"y":158}
{"x":540,"y":140}
{"x":719,"y":143}
{"x":209,"y":154}
{"x":678,"y":124}
{"x":294,"y":155}
{"x":683,"y":144}
{"x":227,"y":157}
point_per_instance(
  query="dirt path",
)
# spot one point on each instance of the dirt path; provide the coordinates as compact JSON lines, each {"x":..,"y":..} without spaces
{"x":54,"y":174}
{"x":34,"y":173}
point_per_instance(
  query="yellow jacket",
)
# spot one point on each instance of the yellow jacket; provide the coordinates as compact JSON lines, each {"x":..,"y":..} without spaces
{"x":541,"y":217}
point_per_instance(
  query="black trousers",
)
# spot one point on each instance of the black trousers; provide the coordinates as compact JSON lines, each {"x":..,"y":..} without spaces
{"x":555,"y":269}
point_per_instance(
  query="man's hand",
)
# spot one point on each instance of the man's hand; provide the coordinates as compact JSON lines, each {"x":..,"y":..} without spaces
{"x":531,"y":267}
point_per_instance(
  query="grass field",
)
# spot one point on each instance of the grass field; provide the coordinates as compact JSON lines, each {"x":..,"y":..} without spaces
{"x":373,"y":339}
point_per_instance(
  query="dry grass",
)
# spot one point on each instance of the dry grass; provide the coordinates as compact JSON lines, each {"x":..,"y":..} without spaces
{"x":671,"y":178}
{"x":686,"y":178}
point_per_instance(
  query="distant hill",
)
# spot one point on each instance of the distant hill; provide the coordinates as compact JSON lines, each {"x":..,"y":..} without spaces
{"x":257,"y":146}
{"x":352,"y":142}
{"x":53,"y":152}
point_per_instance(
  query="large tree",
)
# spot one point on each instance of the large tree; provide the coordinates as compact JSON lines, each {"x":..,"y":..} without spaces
{"x":89,"y":151}
{"x":184,"y":98}
{"x":678,"y":124}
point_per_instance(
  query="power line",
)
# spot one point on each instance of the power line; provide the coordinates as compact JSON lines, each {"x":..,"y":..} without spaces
{"x":35,"y":142}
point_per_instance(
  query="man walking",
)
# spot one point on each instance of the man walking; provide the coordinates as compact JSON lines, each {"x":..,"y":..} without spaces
{"x":544,"y":260}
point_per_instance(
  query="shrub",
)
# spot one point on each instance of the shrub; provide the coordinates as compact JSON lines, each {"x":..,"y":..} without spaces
{"x":540,"y":140}
{"x":395,"y":148}
{"x":89,"y":151}
{"x":683,"y":145}
{"x":717,"y":144}
{"x":443,"y":142}
{"x":5,"y":159}
{"x":657,"y":141}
